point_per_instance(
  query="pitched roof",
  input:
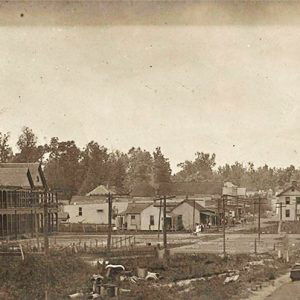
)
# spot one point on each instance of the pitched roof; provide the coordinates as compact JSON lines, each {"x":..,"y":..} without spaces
{"x":100,"y":190}
{"x":287,"y":189}
{"x":170,"y":205}
{"x":136,"y":208}
{"x":16,"y":177}
{"x":198,"y":206}
{"x":35,"y":169}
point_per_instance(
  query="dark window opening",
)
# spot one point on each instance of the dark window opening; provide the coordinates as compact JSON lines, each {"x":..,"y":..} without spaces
{"x":287,"y":213}
{"x":151,"y":220}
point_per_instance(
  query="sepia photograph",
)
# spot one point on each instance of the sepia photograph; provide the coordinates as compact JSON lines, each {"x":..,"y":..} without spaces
{"x":148,"y":150}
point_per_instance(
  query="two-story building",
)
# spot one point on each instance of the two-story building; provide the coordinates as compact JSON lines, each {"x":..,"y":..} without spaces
{"x":289,"y":203}
{"x":23,"y":197}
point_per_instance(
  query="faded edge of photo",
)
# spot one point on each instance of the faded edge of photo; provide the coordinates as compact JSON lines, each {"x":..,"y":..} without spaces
{"x":95,"y":13}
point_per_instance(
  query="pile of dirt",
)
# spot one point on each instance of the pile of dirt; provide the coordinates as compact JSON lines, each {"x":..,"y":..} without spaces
{"x":59,"y":274}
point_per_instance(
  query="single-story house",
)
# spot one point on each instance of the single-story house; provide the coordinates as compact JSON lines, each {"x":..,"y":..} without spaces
{"x":191,"y":212}
{"x":181,"y":214}
{"x":131,"y":218}
{"x":150,"y":216}
{"x":92,"y":210}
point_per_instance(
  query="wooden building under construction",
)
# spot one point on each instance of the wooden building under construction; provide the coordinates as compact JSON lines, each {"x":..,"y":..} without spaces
{"x":27,"y":207}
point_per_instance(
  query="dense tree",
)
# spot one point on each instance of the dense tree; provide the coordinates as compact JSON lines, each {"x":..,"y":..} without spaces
{"x":5,"y":150}
{"x":198,"y":170}
{"x":62,"y":165}
{"x":93,"y":167}
{"x":140,"y":164}
{"x":118,"y":165}
{"x":161,"y":172}
{"x":29,"y":151}
{"x":71,"y":169}
{"x":233,"y":173}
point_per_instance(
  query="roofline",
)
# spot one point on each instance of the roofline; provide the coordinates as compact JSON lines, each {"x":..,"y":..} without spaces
{"x":288,"y":188}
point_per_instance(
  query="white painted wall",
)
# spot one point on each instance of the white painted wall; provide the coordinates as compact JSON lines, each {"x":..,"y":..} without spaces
{"x":95,"y":213}
{"x":291,"y":207}
{"x":186,"y":211}
{"x":145,"y":218}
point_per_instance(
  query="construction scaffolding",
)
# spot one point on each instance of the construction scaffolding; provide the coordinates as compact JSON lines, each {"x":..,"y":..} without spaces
{"x":22,"y":213}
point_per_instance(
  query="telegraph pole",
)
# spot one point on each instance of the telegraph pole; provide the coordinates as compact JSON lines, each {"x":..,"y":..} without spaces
{"x":109,"y":198}
{"x":218,"y":217}
{"x":165,"y":225}
{"x":259,"y":202}
{"x":164,"y":199}
{"x":194,"y":209}
{"x":224,"y":198}
{"x":259,"y":214}
{"x":160,"y":204}
{"x":296,"y":204}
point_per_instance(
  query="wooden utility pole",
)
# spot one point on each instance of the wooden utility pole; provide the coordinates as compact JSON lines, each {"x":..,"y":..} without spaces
{"x":224,"y":198}
{"x":237,"y":208}
{"x":158,"y":233}
{"x":165,"y":242}
{"x":259,"y":203}
{"x":46,"y":229}
{"x":165,"y":225}
{"x":109,"y":199}
{"x":218,"y":216}
{"x":259,"y":214}
{"x":194,"y":209}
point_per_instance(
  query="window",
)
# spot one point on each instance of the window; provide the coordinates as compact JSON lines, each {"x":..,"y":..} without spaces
{"x":287,"y":213}
{"x":132,"y":219}
{"x":287,"y":200}
{"x":151,"y":220}
{"x":298,"y":200}
{"x":80,"y":211}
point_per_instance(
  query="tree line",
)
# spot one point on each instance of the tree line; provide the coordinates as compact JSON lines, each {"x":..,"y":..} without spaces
{"x":77,"y":171}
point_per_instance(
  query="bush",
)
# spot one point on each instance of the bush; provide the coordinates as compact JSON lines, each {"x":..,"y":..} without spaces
{"x":60,"y":274}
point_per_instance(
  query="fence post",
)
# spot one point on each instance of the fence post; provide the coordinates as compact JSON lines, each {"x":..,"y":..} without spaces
{"x":96,"y":243}
{"x":255,"y":246}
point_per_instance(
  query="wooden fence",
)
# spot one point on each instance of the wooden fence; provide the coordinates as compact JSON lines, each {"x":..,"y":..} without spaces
{"x":76,"y":227}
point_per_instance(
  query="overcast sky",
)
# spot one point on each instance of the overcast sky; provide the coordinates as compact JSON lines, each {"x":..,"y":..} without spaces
{"x":232,"y":89}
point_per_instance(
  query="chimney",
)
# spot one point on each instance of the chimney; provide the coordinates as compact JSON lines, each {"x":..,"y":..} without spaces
{"x":294,"y":183}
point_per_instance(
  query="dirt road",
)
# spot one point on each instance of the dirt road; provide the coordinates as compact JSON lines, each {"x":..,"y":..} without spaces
{"x":288,"y":291}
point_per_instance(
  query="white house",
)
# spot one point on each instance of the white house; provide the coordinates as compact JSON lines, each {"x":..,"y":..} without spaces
{"x":289,"y":203}
{"x":92,"y":210}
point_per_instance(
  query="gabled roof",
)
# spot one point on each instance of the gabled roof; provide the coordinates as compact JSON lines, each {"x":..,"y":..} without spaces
{"x":170,"y":205}
{"x":136,"y":208}
{"x":16,"y":177}
{"x":198,"y":206}
{"x":100,"y":190}
{"x":35,"y":169}
{"x":295,"y":187}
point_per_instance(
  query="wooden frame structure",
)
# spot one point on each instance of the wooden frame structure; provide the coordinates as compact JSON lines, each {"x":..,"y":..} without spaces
{"x":22,"y":212}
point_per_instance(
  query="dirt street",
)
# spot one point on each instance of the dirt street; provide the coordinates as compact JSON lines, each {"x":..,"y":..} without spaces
{"x":288,"y":291}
